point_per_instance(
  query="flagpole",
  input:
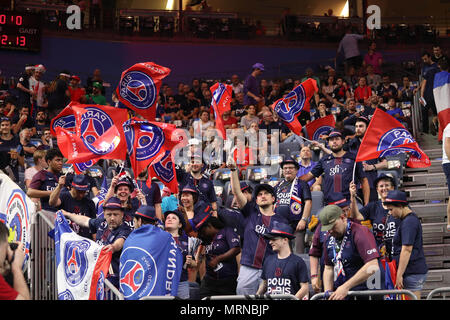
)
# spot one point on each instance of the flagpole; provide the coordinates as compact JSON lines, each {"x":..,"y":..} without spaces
{"x":306,"y":139}
{"x":353,"y":176}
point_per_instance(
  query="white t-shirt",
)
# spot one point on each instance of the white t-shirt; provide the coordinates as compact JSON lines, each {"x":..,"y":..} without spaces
{"x":38,"y":86}
{"x":446,"y":134}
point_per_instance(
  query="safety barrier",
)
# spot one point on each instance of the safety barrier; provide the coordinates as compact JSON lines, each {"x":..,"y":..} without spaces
{"x":370,"y":294}
{"x":253,"y":297}
{"x":438,"y":291}
{"x":43,"y":280}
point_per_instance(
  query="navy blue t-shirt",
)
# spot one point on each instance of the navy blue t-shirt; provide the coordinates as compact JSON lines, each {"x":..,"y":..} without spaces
{"x":85,"y":207}
{"x":225,"y":240}
{"x":409,"y":233}
{"x":152,"y":195}
{"x":284,"y":275}
{"x":183,"y":244}
{"x":205,"y":186}
{"x":283,"y":202}
{"x":45,"y":181}
{"x":337,"y":174}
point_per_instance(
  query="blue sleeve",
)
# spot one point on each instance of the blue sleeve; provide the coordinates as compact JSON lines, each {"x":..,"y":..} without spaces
{"x":318,"y":169}
{"x":410,"y":228}
{"x":212,"y":192}
{"x":306,"y":191}
{"x":366,"y":211}
{"x":232,"y":238}
{"x":94,"y":224}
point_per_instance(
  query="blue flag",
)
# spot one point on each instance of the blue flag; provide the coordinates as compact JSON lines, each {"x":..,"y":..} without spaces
{"x":101,"y":197}
{"x":150,"y":264}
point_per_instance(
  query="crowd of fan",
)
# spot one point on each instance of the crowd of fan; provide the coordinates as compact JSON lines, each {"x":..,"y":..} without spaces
{"x":238,"y":240}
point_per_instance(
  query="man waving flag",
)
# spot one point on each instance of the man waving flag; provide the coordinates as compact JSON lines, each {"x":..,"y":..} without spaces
{"x":139,"y":88}
{"x":385,"y":136}
{"x":290,"y":107}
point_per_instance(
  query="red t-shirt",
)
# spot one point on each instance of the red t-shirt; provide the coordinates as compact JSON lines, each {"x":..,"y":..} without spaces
{"x":76,"y":94}
{"x":362,"y":93}
{"x":6,"y":292}
{"x":230,"y":121}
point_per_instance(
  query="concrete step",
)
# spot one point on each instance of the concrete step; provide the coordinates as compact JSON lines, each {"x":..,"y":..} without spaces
{"x":436,"y":166}
{"x":433,"y":153}
{"x":436,"y":279}
{"x":431,"y":212}
{"x":437,"y":255}
{"x":435,"y":233}
{"x":424,"y":179}
{"x":430,"y":194}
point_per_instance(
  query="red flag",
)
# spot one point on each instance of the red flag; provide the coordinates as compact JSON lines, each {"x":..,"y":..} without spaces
{"x":385,"y":136}
{"x":97,"y":133}
{"x":164,"y":170}
{"x":221,"y":99}
{"x":290,"y":107}
{"x":320,"y":126}
{"x":139,"y":88}
{"x":148,"y":141}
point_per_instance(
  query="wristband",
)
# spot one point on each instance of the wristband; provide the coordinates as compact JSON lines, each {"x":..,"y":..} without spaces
{"x":313,"y":276}
{"x":305,"y":219}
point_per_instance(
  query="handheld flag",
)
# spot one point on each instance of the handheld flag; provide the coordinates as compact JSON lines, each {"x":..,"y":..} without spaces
{"x":385,"y":136}
{"x":220,"y":103}
{"x":139,"y":88}
{"x":290,"y":107}
{"x":101,"y":197}
{"x":164,"y":170}
{"x":82,"y":264}
{"x":441,"y":92}
{"x":150,"y":264}
{"x":320,"y":126}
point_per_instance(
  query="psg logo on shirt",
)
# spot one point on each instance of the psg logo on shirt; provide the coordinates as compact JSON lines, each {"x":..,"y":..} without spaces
{"x":291,"y":105}
{"x":137,"y":277}
{"x":150,"y":141}
{"x":164,"y":168}
{"x":393,"y":138}
{"x":321,"y":131}
{"x":94,"y":123}
{"x":76,"y":264}
{"x":138,"y":89}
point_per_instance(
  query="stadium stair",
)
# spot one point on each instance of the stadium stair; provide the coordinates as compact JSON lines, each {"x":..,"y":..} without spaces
{"x":427,"y":192}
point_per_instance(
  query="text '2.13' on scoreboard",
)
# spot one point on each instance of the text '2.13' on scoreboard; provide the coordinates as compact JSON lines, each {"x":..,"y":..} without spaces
{"x":20,"y":31}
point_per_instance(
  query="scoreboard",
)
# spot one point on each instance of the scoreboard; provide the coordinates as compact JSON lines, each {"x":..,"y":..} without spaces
{"x":20,"y":31}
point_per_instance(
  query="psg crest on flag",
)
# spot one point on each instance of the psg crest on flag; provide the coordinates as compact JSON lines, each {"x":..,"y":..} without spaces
{"x":164,"y":168}
{"x":288,"y":107}
{"x":138,"y":89}
{"x":66,"y":122}
{"x":321,"y":131}
{"x":94,"y":123}
{"x":393,"y":138}
{"x":75,"y":258}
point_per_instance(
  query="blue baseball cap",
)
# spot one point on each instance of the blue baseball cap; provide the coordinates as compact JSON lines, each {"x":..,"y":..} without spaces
{"x":279,"y":229}
{"x":396,"y":196}
{"x":145,"y":211}
{"x":113,"y":203}
{"x":384,"y":176}
{"x":245,"y":186}
{"x":259,"y":66}
{"x":80,"y":182}
{"x":333,"y":134}
{"x":189,"y":188}
{"x":201,"y":217}
{"x":338,"y":199}
{"x":178,"y":214}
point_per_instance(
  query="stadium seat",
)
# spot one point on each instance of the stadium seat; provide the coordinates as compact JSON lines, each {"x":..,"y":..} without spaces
{"x":257,"y":173}
{"x":317,"y":202}
{"x":289,"y":149}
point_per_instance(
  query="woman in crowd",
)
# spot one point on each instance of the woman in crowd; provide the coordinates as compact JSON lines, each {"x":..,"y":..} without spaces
{"x":250,"y":117}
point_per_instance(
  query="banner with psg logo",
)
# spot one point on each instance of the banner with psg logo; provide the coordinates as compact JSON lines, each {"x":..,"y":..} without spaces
{"x":164,"y":170}
{"x":385,"y":136}
{"x":150,"y":264}
{"x":319,"y":127}
{"x":90,"y":132}
{"x":81,"y":264}
{"x":290,"y":107}
{"x":16,"y":210}
{"x":139,"y":88}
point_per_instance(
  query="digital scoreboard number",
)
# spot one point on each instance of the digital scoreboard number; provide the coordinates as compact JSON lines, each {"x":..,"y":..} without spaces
{"x":20,"y":31}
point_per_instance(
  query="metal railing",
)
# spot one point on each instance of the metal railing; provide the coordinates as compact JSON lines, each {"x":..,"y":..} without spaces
{"x":370,"y":294}
{"x":416,"y":114}
{"x":436,"y":291}
{"x":43,"y":278}
{"x":254,"y":297}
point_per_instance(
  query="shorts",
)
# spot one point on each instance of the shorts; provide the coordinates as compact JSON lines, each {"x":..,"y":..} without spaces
{"x":248,"y":280}
{"x":183,"y":290}
{"x":446,"y":167}
{"x":414,"y":282}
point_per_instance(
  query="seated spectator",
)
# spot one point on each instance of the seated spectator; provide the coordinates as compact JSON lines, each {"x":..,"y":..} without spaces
{"x":200,"y":126}
{"x":341,"y":93}
{"x":9,"y":108}
{"x":373,"y":57}
{"x":152,"y":194}
{"x":351,"y":77}
{"x":23,"y":120}
{"x":229,"y":122}
{"x":96,"y":96}
{"x":363,"y":92}
{"x":169,"y":202}
{"x":328,"y":88}
{"x":386,"y":89}
{"x":309,"y":73}
{"x":283,"y":272}
{"x":171,"y":110}
{"x":237,"y":106}
{"x":96,"y":77}
{"x":306,"y":165}
{"x":373,"y":79}
{"x":406,"y":91}
{"x":394,"y":110}
{"x":180,"y":97}
{"x":275,"y":94}
{"x":77,"y":93}
{"x":111,"y":234}
{"x":190,"y":108}
{"x":266,"y":88}
{"x":46,"y":142}
{"x":249,"y":117}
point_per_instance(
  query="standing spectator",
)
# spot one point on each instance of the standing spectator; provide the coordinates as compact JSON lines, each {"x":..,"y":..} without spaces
{"x":298,"y":217}
{"x":39,"y":164}
{"x":15,"y":258}
{"x":74,"y":201}
{"x":337,"y":169}
{"x":96,"y":97}
{"x":363,"y":92}
{"x":249,"y":118}
{"x":412,"y":268}
{"x":37,"y":87}
{"x":349,"y":47}
{"x":11,"y":151}
{"x":283,"y":272}
{"x":95,"y":13}
{"x":77,"y":93}
{"x":96,"y":77}
{"x":259,"y":216}
{"x":438,"y":55}
{"x":386,"y":89}
{"x":46,"y":180}
{"x":429,"y":70}
{"x":446,"y":164}
{"x":252,"y":95}
{"x":383,"y":224}
{"x":23,"y":86}
{"x":351,"y":255}
{"x":221,"y":246}
{"x":309,"y":74}
{"x":236,"y":84}
{"x":110,"y":231}
{"x":58,"y":93}
{"x":373,"y":58}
